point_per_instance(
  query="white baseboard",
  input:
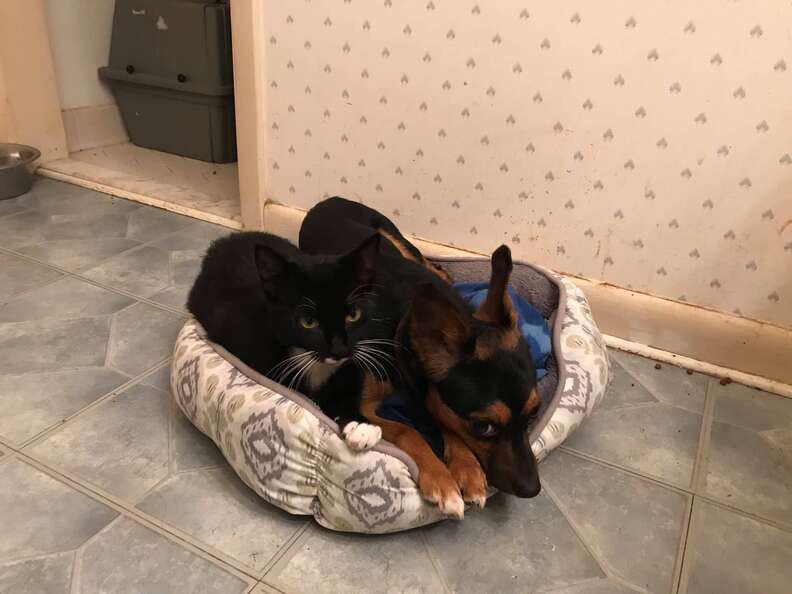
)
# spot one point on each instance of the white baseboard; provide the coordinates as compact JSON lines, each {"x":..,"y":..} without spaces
{"x":747,"y":351}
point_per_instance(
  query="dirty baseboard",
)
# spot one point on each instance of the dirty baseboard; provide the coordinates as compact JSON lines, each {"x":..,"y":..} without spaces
{"x":747,"y":351}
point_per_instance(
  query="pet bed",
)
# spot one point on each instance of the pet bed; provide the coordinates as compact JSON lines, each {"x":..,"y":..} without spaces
{"x":285,"y":449}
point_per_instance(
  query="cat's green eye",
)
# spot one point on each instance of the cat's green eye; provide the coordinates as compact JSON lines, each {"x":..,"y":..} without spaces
{"x":309,"y":323}
{"x":354,"y":315}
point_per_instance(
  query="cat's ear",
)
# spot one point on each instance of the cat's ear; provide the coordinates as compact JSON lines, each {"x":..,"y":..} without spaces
{"x":439,"y":331}
{"x":269,"y":263}
{"x":364,"y":257}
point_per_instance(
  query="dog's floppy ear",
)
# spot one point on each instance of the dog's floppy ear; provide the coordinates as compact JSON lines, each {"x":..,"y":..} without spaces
{"x":497,"y":308}
{"x":364,"y":258}
{"x":438,"y":330}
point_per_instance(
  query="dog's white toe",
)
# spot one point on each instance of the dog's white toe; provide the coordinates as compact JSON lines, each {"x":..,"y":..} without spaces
{"x":361,"y":436}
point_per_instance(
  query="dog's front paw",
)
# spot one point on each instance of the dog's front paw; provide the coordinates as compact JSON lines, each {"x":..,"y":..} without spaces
{"x":361,"y":436}
{"x":471,"y":479}
{"x":440,"y":487}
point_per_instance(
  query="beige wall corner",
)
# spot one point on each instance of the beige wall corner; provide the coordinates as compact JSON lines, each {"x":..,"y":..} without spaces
{"x":250,"y":92}
{"x":30,"y":110}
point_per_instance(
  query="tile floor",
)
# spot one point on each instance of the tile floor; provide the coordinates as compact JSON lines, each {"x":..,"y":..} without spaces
{"x":676,"y":484}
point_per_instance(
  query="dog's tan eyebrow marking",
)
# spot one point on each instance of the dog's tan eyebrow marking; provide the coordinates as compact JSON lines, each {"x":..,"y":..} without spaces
{"x":497,"y":413}
{"x":532,"y":403}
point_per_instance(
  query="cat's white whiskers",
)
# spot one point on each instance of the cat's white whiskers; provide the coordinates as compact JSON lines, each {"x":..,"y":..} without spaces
{"x":279,"y":370}
{"x":378,"y":368}
{"x":386,"y":358}
{"x":295,"y":383}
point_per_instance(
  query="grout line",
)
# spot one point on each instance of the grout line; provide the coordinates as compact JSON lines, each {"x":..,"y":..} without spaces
{"x":679,"y":564}
{"x":286,"y":552}
{"x":652,"y":479}
{"x":90,"y":281}
{"x":45,"y":433}
{"x":684,"y":569}
{"x":438,"y":568}
{"x":607,"y":569}
{"x":700,"y":467}
{"x":75,"y":579}
{"x":23,"y":293}
{"x":785,"y":527}
{"x":125,"y":510}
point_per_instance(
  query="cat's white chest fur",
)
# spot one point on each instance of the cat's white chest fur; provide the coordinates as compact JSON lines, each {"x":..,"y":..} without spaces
{"x":320,"y":371}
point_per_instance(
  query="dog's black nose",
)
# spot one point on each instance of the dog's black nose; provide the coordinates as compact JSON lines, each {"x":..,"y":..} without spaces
{"x":527,"y":486}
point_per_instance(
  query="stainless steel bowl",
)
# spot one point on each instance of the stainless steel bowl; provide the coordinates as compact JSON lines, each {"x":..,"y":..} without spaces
{"x":16,"y":169}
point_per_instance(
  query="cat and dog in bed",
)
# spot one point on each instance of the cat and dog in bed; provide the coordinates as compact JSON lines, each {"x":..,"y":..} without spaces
{"x":358,"y":320}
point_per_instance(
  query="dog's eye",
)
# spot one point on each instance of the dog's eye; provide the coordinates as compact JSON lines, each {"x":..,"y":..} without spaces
{"x":308,"y":322}
{"x":484,"y":429}
{"x":354,"y":315}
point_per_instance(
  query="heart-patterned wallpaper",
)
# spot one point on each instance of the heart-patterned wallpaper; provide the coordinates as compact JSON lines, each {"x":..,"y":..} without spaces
{"x":645,"y":144}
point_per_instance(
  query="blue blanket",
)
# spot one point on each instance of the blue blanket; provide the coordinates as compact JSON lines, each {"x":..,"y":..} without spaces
{"x":399,"y":406}
{"x":530,"y":322}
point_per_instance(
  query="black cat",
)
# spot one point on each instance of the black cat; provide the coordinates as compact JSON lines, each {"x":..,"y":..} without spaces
{"x":310,"y":322}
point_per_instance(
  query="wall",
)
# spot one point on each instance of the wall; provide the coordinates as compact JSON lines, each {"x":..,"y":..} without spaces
{"x":29,"y":109}
{"x":80,"y":32}
{"x":643,"y":144}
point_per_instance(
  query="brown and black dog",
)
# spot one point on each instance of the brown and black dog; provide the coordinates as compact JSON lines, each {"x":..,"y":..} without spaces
{"x":472,"y":370}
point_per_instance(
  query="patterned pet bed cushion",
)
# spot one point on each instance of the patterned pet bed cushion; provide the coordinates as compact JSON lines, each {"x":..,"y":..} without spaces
{"x":285,"y":449}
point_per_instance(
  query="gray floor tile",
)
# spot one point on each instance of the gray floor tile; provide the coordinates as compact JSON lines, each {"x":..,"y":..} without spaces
{"x":40,"y":515}
{"x":148,"y":223}
{"x":66,"y":298}
{"x":624,"y":390}
{"x":9,"y":207}
{"x":160,"y":379}
{"x":52,"y":345}
{"x":223,"y":513}
{"x":750,"y":408}
{"x":730,"y":554}
{"x":17,"y":275}
{"x":658,"y":440}
{"x":189,"y":448}
{"x":129,"y":558}
{"x":750,"y":462}
{"x":669,"y":384}
{"x":78,"y":254}
{"x":196,"y":236}
{"x":56,"y":197}
{"x":635,"y":525}
{"x":329,"y":562}
{"x":173,"y":297}
{"x":85,"y":225}
{"x":32,"y":403}
{"x":24,"y":228}
{"x":601,"y":586}
{"x":513,"y":545}
{"x":48,"y":575}
{"x":142,"y":336}
{"x":121,"y":445}
{"x":143,"y":271}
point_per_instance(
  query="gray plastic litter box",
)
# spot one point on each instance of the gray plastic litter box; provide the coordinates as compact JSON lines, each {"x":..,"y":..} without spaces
{"x":171,"y":73}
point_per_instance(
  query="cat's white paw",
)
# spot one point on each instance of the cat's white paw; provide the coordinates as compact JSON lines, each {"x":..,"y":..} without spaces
{"x":361,"y":436}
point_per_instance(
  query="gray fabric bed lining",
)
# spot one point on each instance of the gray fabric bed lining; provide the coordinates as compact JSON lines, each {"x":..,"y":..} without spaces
{"x":527,"y":281}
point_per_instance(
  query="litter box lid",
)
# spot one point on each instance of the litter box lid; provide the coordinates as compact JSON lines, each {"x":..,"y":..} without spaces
{"x":173,"y":44}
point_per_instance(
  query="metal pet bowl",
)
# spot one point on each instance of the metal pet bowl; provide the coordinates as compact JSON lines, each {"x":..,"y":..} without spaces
{"x":16,"y":169}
